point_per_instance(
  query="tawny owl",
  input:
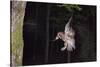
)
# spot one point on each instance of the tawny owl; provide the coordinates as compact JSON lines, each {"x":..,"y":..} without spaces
{"x":67,"y":36}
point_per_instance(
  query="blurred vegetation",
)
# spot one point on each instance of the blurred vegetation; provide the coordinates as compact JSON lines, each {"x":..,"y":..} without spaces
{"x":71,"y":7}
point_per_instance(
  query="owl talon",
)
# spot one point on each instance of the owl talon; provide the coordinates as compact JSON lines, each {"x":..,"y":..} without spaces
{"x":62,"y":49}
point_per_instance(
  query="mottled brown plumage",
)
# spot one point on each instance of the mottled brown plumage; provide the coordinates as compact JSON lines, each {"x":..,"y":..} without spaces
{"x":67,"y":36}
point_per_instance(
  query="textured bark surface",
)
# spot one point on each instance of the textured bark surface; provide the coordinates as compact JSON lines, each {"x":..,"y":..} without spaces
{"x":17,"y":9}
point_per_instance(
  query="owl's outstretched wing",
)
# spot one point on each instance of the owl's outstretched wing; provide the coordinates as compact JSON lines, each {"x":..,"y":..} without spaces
{"x":67,"y":26}
{"x":70,"y":42}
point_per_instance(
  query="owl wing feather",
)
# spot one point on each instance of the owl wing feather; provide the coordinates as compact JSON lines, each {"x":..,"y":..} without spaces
{"x":67,"y":26}
{"x":70,"y":42}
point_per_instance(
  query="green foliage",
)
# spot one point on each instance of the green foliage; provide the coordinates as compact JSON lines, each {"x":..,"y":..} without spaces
{"x":71,"y":7}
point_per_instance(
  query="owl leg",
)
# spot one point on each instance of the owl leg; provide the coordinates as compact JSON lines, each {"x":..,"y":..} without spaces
{"x":65,"y":46}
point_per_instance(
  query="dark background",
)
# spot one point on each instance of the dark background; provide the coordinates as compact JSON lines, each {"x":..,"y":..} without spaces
{"x":42,"y":21}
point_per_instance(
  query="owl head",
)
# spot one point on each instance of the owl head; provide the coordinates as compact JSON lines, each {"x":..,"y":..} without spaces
{"x":60,"y":35}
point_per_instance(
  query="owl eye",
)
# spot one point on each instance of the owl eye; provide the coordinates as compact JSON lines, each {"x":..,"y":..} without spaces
{"x":59,"y":35}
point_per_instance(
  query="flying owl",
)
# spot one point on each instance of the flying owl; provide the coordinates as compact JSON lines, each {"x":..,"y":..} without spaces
{"x":67,"y":36}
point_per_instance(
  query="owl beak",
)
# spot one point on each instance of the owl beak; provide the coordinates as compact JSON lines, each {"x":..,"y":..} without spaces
{"x":56,"y":39}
